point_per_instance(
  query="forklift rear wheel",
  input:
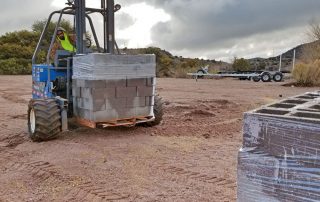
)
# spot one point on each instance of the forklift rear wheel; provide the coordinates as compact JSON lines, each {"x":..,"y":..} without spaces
{"x":158,"y":112}
{"x":44,"y":119}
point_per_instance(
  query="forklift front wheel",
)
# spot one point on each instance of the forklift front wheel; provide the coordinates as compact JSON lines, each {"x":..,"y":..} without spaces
{"x":44,"y":119}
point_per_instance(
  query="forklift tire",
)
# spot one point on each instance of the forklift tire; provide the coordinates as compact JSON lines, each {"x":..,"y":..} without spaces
{"x":256,"y":78}
{"x":44,"y":120}
{"x":277,"y":77}
{"x":158,"y":112}
{"x":266,"y":77}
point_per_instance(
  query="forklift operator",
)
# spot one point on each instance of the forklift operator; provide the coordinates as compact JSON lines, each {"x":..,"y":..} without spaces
{"x":64,"y":40}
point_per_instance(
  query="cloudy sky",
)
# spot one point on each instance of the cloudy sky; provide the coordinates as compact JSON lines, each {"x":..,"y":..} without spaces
{"x":213,"y":29}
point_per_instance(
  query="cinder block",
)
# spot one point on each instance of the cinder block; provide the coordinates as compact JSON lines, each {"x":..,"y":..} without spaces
{"x":262,"y":177}
{"x":95,"y":84}
{"x":107,"y":115}
{"x":143,"y":111}
{"x":136,"y":102}
{"x":90,"y":83}
{"x":126,"y":113}
{"x":151,"y":81}
{"x":132,"y":82}
{"x":289,"y":127}
{"x":102,"y":93}
{"x":150,"y":101}
{"x":86,"y":92}
{"x":143,"y":91}
{"x":76,"y":92}
{"x":75,"y":107}
{"x":85,"y":114}
{"x":91,"y":104}
{"x":116,"y":103}
{"x":113,"y":114}
{"x":126,"y":92}
{"x":102,"y":66}
{"x":116,"y":83}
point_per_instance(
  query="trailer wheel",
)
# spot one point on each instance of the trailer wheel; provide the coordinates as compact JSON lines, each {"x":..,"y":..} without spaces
{"x":277,"y":77}
{"x":266,"y":77}
{"x":44,"y":120}
{"x":256,"y":78}
{"x":200,"y":74}
{"x":158,"y":112}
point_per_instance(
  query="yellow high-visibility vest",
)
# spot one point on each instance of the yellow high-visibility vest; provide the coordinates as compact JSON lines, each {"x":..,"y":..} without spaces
{"x":66,"y":44}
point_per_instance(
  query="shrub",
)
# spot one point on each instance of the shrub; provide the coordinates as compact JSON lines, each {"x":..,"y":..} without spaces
{"x":240,"y":64}
{"x":307,"y":74}
{"x":14,"y":66}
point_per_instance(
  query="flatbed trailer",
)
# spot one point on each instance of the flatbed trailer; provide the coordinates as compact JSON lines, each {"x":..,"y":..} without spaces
{"x":256,"y":76}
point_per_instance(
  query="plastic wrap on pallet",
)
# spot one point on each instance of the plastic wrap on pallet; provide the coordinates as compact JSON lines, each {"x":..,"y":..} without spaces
{"x":280,"y":158}
{"x":263,"y":177}
{"x":105,"y":66}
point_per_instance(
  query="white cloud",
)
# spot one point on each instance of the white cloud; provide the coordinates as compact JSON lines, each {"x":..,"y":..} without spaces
{"x":145,"y":17}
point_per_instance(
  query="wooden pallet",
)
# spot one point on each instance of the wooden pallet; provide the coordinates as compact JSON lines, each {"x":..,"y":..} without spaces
{"x":114,"y":123}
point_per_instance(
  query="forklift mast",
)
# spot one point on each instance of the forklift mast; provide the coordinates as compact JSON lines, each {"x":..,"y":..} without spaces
{"x":107,"y":10}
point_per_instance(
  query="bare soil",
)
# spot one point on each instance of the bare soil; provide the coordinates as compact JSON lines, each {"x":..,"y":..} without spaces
{"x":191,"y":156}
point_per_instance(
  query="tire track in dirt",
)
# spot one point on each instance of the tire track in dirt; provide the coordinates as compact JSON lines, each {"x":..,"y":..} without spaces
{"x":176,"y":172}
{"x":43,"y":171}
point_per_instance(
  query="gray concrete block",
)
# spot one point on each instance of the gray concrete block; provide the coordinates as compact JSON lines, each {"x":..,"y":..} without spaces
{"x":126,"y":113}
{"x":107,"y":115}
{"x":126,"y":92}
{"x":102,"y":93}
{"x":143,"y":111}
{"x":85,"y":114}
{"x":116,"y":83}
{"x":75,"y":107}
{"x":116,"y":103}
{"x":94,"y":84}
{"x":102,"y":66}
{"x":76,"y":92}
{"x":86,"y":93}
{"x":89,"y":83}
{"x":288,"y":127}
{"x":132,"y":82}
{"x":143,"y":91}
{"x":114,"y":114}
{"x":151,"y":81}
{"x":136,"y":102}
{"x":78,"y":83}
{"x":150,"y":101}
{"x":91,"y":104}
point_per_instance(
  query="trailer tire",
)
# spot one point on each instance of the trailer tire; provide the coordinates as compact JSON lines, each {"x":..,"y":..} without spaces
{"x":256,"y":78}
{"x":158,"y":112}
{"x":266,"y":77}
{"x":44,"y":120}
{"x":277,"y":77}
{"x":201,"y":72}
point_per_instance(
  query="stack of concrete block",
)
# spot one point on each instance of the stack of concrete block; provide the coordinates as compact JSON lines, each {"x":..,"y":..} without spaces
{"x":113,"y":87}
{"x":280,"y":158}
{"x":102,"y":66}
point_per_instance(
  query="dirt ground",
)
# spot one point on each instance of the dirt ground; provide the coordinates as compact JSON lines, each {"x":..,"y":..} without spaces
{"x":191,"y":156}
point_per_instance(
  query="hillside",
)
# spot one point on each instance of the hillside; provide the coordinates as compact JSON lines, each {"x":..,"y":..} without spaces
{"x":169,"y":65}
{"x":272,"y":63}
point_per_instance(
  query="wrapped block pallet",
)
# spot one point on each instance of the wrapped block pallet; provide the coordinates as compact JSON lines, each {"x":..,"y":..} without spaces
{"x":280,"y":158}
{"x":113,"y":87}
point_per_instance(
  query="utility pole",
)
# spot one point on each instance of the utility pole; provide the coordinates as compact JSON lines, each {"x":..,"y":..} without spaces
{"x":294,"y":59}
{"x":280,"y":64}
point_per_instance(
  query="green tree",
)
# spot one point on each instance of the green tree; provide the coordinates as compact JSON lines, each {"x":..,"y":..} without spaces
{"x":240,"y":64}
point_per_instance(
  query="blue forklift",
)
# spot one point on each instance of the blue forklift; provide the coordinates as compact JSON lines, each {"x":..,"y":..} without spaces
{"x":51,"y":105}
